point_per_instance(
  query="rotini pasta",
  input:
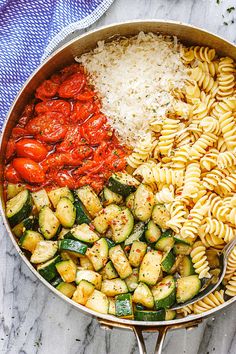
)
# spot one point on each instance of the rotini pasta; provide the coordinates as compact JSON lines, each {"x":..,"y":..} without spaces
{"x":226,"y":159}
{"x":166,"y":195}
{"x":231,"y":264}
{"x":205,"y":81}
{"x":231,"y":286}
{"x":166,"y":140}
{"x":178,"y":215}
{"x":220,"y":229}
{"x":192,"y":179}
{"x":199,"y":260}
{"x":141,"y":152}
{"x":200,"y":146}
{"x":209,"y":302}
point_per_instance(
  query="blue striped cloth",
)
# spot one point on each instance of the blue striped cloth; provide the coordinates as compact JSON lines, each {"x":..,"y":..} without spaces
{"x":30,"y":30}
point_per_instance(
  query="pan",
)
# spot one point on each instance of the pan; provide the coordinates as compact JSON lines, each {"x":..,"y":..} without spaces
{"x":189,"y":35}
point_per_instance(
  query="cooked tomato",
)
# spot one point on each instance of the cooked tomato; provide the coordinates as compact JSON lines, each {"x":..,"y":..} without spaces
{"x":70,"y":70}
{"x":18,"y":132}
{"x":72,"y":86}
{"x":26,"y":115}
{"x":85,"y":95}
{"x":95,"y":129}
{"x":31,"y":148}
{"x":11,"y":148}
{"x":64,"y":179}
{"x":11,"y":175}
{"x":72,"y":139}
{"x":49,"y":127}
{"x":82,"y":111}
{"x":29,"y":170}
{"x":59,"y":106}
{"x":47,"y":89}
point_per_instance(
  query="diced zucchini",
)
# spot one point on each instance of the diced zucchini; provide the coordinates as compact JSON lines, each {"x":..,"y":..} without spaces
{"x":29,"y":240}
{"x":56,"y":194}
{"x":83,"y":233}
{"x":187,"y":288}
{"x":98,"y":302}
{"x":109,"y":272}
{"x":56,"y":281}
{"x":143,"y":315}
{"x":164,"y":292}
{"x":165,"y":243}
{"x":105,"y":217}
{"x":153,"y":232}
{"x":82,"y":216}
{"x":30,"y":223}
{"x":122,"y":225}
{"x":122,"y":183}
{"x":111,"y":306}
{"x":90,"y":276}
{"x":137,"y":252}
{"x":167,"y":262}
{"x":66,"y":289}
{"x":90,"y":200}
{"x":40,"y":199}
{"x":76,"y":247}
{"x":14,"y":189}
{"x":110,"y":243}
{"x":48,"y":222}
{"x":143,"y":202}
{"x":120,"y":261}
{"x":19,"y":207}
{"x":67,"y":270}
{"x":186,"y":267}
{"x":132,"y":280}
{"x":143,"y":295}
{"x":129,"y":202}
{"x":150,"y":267}
{"x":44,"y":251}
{"x":181,"y":248}
{"x":85,"y":263}
{"x":114,"y":287}
{"x":175,"y":266}
{"x":98,"y":254}
{"x":188,"y":240}
{"x":170,"y":315}
{"x":65,"y":256}
{"x":160,"y":216}
{"x":124,"y":306}
{"x":66,"y":212}
{"x":48,"y":270}
{"x":136,"y":234}
{"x":83,"y":291}
{"x":62,"y":233}
{"x":111,"y":197}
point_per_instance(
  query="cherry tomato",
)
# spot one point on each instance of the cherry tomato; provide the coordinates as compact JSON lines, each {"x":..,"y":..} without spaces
{"x":31,"y":148}
{"x":86,"y":95}
{"x":59,"y":106}
{"x":18,"y":132}
{"x":82,"y":111}
{"x":11,"y":148}
{"x":72,"y":139}
{"x":64,"y":179}
{"x":46,"y":90}
{"x":70,"y":70}
{"x":11,"y":175}
{"x":26,"y":115}
{"x":49,"y":127}
{"x":29,"y":170}
{"x":72,"y":86}
{"x":73,"y":158}
{"x":56,"y":78}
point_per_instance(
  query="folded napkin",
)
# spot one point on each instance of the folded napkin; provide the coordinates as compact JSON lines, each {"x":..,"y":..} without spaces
{"x":30,"y":30}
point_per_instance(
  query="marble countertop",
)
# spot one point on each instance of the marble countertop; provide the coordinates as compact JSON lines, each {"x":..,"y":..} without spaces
{"x":33,"y":320}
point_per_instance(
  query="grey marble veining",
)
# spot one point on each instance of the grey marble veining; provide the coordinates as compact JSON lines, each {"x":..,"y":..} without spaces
{"x":33,"y":320}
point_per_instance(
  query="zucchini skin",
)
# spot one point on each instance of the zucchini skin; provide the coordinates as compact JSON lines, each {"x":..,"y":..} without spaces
{"x":23,"y":213}
{"x":124,"y":306}
{"x":82,"y":216}
{"x":143,"y":315}
{"x":49,"y":272}
{"x":120,"y":188}
{"x":72,"y":246}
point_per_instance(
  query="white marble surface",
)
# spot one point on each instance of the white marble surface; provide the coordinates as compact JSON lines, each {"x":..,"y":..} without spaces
{"x":33,"y":320}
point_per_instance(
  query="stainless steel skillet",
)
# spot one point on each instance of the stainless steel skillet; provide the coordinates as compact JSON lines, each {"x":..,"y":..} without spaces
{"x":64,"y":56}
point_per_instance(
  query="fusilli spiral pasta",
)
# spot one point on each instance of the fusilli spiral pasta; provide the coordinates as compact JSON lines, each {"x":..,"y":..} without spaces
{"x":199,"y":260}
{"x":231,"y":286}
{"x":209,"y":302}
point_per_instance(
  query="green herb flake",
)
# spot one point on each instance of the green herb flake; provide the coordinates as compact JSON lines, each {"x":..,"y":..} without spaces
{"x":230,"y":9}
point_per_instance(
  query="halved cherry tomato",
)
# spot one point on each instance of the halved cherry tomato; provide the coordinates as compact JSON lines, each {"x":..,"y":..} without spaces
{"x":72,"y":139}
{"x":59,"y":106}
{"x":82,"y":111}
{"x":19,"y":132}
{"x":64,"y":179}
{"x":46,"y":90}
{"x":11,"y":148}
{"x":31,"y":148}
{"x":72,"y":86}
{"x":11,"y":175}
{"x":85,"y":95}
{"x":26,"y":115}
{"x":70,"y":70}
{"x":49,"y":127}
{"x":29,"y":170}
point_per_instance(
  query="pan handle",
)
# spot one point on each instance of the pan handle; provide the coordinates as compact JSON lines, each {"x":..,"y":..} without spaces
{"x":138,"y":331}
{"x":160,"y":339}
